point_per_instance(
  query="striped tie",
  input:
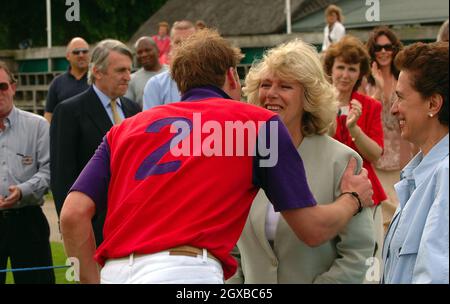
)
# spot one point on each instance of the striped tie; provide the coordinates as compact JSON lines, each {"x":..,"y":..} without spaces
{"x":116,"y":117}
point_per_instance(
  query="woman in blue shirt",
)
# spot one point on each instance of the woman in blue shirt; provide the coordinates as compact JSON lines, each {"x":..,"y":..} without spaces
{"x":416,"y":248}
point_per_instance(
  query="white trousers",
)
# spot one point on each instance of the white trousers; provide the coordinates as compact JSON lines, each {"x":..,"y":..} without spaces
{"x":162,"y":268}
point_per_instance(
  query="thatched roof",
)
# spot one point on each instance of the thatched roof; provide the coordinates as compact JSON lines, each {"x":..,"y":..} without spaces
{"x":230,"y":17}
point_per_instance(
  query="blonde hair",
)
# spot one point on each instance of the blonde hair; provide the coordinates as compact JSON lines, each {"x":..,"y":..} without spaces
{"x":443,"y":33}
{"x":298,"y":61}
{"x":335,"y":9}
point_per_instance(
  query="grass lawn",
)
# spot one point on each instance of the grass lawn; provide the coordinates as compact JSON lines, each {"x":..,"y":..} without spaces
{"x":59,"y":259}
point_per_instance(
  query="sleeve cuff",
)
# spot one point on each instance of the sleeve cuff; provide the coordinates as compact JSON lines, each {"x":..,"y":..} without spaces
{"x":26,"y":191}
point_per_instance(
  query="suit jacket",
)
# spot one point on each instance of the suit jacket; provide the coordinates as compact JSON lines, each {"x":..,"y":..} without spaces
{"x":77,"y":129}
{"x":341,"y":260}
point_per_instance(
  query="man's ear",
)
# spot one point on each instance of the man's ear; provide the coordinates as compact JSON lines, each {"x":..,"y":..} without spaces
{"x":232,"y":84}
{"x":96,"y":72}
{"x":13,"y":88}
{"x":233,"y":78}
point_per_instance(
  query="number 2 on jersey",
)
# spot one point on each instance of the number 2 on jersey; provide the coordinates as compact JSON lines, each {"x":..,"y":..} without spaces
{"x":150,"y":164}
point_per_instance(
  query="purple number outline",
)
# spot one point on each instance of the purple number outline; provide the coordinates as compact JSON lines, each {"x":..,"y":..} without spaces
{"x":150,"y":164}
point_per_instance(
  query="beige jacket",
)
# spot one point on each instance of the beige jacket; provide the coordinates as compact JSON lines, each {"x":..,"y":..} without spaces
{"x":341,"y":260}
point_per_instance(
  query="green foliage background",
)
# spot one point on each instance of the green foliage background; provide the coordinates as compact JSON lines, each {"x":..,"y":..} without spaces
{"x":99,"y":19}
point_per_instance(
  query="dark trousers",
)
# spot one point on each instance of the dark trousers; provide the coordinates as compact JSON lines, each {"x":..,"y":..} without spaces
{"x":24,"y":238}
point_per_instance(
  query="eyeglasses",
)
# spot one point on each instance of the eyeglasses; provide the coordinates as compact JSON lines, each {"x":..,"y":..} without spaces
{"x":386,"y":47}
{"x":4,"y":86}
{"x":80,"y":51}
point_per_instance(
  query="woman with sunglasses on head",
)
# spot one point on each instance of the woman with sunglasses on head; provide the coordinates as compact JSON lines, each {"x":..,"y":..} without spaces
{"x":383,"y":46}
{"x":358,"y":123}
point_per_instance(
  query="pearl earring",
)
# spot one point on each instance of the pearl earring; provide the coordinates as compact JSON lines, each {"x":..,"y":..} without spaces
{"x":431,"y":115}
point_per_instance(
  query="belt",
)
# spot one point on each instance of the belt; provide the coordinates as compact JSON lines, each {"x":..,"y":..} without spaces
{"x":190,"y":251}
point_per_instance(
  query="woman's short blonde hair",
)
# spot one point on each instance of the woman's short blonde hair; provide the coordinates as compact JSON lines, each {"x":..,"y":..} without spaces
{"x":298,"y":61}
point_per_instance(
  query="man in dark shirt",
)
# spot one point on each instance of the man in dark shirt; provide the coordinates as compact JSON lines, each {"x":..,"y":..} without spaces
{"x":72,"y":82}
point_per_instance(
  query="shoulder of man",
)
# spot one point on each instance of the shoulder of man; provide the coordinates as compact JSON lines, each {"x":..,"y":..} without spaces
{"x":132,"y":105}
{"x":31,"y":117}
{"x":137,"y":73}
{"x":74,"y":102}
{"x":157,"y":81}
{"x":161,"y":77}
{"x":243,"y":111}
{"x":58,"y":79}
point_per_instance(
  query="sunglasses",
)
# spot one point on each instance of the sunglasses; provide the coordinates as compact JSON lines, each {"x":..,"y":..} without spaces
{"x":4,"y":86}
{"x":80,"y":51}
{"x":386,"y":47}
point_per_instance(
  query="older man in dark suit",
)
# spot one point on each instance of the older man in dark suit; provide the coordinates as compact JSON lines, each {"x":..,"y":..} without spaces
{"x":80,"y":123}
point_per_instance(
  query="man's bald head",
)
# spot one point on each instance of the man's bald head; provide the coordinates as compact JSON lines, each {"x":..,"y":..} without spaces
{"x":181,"y":30}
{"x":76,"y":42}
{"x":77,"y":53}
{"x":145,"y":40}
{"x":147,"y":54}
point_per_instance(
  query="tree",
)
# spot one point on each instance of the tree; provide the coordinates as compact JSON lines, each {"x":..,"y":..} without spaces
{"x":100,"y":19}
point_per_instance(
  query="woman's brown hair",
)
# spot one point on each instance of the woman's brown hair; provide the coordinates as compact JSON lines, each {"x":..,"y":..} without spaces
{"x":396,"y":43}
{"x":428,"y":65}
{"x":352,"y":51}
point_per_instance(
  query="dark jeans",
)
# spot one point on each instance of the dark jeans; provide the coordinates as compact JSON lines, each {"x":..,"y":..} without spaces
{"x":24,"y":238}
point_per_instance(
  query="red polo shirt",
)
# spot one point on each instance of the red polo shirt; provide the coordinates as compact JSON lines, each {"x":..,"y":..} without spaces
{"x":157,"y":201}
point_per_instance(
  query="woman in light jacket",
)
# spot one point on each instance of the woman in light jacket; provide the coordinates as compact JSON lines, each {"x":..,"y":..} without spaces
{"x":290,"y":81}
{"x":416,"y":248}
